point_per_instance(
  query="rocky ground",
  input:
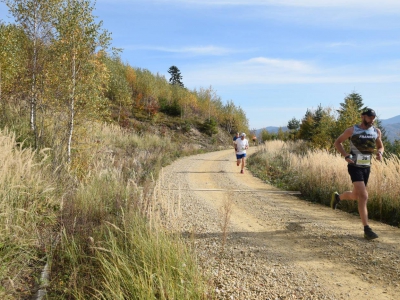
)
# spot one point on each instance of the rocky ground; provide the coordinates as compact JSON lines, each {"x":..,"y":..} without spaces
{"x":256,"y":242}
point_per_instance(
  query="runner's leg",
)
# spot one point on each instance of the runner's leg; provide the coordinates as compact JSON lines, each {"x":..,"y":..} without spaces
{"x":359,"y":193}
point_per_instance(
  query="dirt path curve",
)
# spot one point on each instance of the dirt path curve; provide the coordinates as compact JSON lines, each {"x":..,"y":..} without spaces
{"x":277,"y":246}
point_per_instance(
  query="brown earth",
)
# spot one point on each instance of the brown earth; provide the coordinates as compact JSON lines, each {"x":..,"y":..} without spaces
{"x":277,"y":246}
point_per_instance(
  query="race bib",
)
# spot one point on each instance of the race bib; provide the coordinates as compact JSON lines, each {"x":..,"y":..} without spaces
{"x":363,"y":159}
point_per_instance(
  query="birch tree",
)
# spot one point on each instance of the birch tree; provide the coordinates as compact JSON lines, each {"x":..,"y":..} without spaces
{"x":229,"y":116}
{"x":118,"y":90}
{"x":12,"y":63}
{"x":35,"y":17}
{"x":79,"y":37}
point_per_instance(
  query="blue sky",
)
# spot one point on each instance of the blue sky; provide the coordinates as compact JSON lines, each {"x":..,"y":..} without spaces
{"x":273,"y":58}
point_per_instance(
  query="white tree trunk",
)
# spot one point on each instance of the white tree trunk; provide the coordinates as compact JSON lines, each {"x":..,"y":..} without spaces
{"x":33,"y":85}
{"x":72,"y":108}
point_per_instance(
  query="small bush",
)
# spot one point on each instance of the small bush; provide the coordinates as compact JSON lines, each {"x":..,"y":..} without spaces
{"x":172,"y":109}
{"x":209,"y":127}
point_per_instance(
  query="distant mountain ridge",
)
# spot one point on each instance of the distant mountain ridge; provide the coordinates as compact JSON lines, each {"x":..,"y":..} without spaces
{"x":394,"y":120}
{"x":391,"y":126}
{"x":275,"y":129}
{"x":392,"y":131}
{"x":270,"y":129}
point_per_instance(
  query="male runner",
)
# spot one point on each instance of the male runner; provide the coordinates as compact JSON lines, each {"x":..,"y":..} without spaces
{"x":241,"y":145}
{"x":364,"y":138}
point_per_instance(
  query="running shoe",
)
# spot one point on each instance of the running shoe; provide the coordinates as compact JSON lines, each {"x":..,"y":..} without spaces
{"x":238,"y":163}
{"x":241,"y":172}
{"x":369,"y":234}
{"x":335,"y":200}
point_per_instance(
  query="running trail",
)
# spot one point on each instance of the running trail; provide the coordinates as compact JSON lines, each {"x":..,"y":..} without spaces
{"x":277,"y":246}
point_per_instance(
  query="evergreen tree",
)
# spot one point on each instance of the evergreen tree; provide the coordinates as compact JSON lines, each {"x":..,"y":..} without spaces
{"x":281,"y":134}
{"x":293,"y":126}
{"x":349,"y":113}
{"x":318,"y":128}
{"x":267,"y":136}
{"x":306,"y":126}
{"x":176,"y":77}
{"x":385,"y":140}
{"x":355,"y":98}
{"x":323,"y":135}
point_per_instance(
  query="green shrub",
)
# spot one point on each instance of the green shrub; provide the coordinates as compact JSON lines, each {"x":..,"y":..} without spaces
{"x":209,"y":127}
{"x":172,"y":109}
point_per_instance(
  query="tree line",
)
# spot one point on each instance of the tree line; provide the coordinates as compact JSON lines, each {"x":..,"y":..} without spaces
{"x":58,"y":71}
{"x":321,"y":127}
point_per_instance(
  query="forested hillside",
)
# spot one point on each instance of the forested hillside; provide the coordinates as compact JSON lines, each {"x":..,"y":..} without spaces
{"x":59,"y":71}
{"x":83,"y":137}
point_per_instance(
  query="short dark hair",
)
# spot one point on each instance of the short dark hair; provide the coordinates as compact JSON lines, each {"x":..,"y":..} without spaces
{"x":369,"y":112}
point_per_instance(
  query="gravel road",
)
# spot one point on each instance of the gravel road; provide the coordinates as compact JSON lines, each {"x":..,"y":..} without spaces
{"x":274,"y":245}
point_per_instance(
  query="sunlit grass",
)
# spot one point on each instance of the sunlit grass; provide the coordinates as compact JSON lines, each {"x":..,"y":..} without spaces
{"x":113,"y":244}
{"x":317,"y":173}
{"x":28,"y":208}
{"x":98,"y":226}
{"x":139,"y":262}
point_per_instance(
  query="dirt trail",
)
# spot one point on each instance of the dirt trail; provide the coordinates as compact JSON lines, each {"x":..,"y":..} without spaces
{"x":279,"y":247}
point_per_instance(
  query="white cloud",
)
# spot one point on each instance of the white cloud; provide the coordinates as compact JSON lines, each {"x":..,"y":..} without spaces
{"x":280,"y":64}
{"x":340,"y":44}
{"x":205,"y":50}
{"x":195,"y":50}
{"x":373,"y":45}
{"x":359,"y":4}
{"x":263,"y":71}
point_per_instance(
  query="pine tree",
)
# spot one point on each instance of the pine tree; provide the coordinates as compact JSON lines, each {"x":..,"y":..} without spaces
{"x":176,"y":77}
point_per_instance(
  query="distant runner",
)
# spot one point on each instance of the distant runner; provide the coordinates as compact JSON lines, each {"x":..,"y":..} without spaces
{"x":363,"y":140}
{"x":254,"y":140}
{"x":235,"y":137}
{"x":241,"y":145}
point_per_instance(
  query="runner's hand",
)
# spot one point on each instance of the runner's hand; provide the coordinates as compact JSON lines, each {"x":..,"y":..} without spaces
{"x":379,"y":155}
{"x":349,"y":160}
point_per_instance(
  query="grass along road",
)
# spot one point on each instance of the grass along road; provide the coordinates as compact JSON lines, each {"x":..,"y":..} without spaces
{"x":275,"y":245}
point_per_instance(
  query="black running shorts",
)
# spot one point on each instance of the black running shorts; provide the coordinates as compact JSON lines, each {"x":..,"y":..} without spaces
{"x":359,"y":174}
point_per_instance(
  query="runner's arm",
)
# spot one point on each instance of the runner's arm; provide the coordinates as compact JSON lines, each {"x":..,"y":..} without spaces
{"x":339,"y":141}
{"x":379,"y":145}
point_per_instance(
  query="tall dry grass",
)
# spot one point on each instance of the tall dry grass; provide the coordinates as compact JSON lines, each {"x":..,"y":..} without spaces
{"x":95,"y":224}
{"x":318,"y":173}
{"x":113,"y":244}
{"x":139,"y":262}
{"x":28,"y":210}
